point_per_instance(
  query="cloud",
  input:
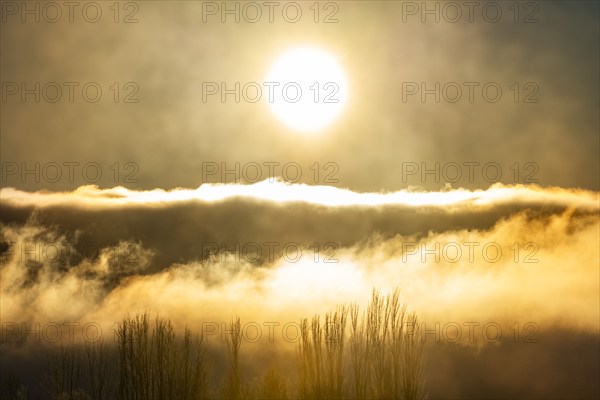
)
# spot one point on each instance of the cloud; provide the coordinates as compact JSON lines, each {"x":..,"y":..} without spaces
{"x":498,"y":257}
{"x":183,"y":226}
{"x":506,"y":252}
{"x":277,"y":191}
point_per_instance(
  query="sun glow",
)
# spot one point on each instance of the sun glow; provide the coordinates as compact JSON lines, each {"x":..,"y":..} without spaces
{"x":310,"y":89}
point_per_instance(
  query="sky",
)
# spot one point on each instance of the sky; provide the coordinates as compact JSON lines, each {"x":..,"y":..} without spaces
{"x":462,"y":168}
{"x":169,"y":133}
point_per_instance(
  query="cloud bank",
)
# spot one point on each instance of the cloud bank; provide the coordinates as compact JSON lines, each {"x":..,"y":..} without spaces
{"x":503,"y":252}
{"x":274,"y":252}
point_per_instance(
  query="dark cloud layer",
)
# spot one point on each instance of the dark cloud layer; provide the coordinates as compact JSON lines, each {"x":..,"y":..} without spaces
{"x":187,"y":231}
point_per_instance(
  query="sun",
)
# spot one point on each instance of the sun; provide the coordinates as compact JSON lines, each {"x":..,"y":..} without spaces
{"x":307,"y":89}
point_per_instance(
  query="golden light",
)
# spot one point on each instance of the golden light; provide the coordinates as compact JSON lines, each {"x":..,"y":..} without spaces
{"x":308,"y":89}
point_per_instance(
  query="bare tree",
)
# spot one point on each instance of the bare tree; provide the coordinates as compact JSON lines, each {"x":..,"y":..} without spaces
{"x":234,"y":340}
{"x":98,"y":370}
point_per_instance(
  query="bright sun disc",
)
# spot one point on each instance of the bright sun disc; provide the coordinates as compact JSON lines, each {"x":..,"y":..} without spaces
{"x":309,"y":89}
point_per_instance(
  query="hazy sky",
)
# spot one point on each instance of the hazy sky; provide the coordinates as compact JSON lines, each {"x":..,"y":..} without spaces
{"x":170,"y":132}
